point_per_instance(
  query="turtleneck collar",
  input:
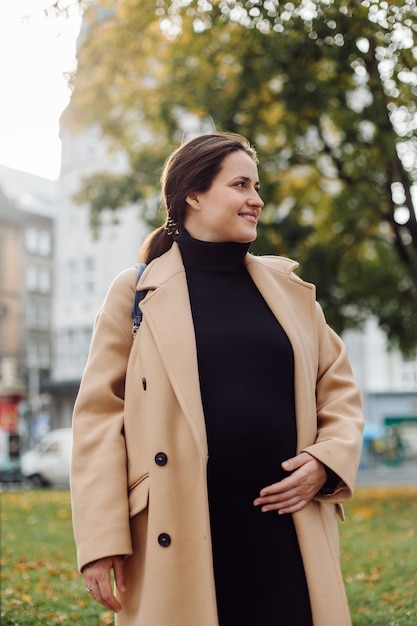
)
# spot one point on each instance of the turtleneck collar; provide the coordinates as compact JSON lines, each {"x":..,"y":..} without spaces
{"x":208,"y":256}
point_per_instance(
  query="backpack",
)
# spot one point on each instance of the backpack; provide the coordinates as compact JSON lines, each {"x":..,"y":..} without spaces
{"x":136,"y":313}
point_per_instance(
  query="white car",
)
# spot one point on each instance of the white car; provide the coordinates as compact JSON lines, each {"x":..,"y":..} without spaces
{"x":49,"y":462}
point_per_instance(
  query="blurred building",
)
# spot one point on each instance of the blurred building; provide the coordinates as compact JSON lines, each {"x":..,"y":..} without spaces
{"x":27,"y":206}
{"x":85,"y":265}
{"x":388,"y":382}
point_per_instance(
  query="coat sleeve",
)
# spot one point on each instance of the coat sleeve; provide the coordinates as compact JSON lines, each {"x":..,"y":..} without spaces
{"x":339,"y":413}
{"x":98,"y":467}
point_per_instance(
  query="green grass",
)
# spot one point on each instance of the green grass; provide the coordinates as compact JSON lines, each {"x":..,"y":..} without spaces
{"x":379,"y":556}
{"x":41,"y":587}
{"x":40,"y":583}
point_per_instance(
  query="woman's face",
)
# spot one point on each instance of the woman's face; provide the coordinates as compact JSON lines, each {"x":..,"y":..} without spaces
{"x":229,"y":210}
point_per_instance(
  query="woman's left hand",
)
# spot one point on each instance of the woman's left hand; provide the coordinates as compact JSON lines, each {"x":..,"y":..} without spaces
{"x":292,"y":493}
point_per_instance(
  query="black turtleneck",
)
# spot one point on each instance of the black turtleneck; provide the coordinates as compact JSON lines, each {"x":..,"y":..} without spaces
{"x":246,"y":370}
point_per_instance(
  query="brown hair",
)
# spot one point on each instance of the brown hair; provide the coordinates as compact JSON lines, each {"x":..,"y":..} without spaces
{"x":191,"y":167}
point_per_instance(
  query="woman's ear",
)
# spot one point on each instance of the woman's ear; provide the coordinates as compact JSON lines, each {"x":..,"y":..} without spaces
{"x":193,"y":201}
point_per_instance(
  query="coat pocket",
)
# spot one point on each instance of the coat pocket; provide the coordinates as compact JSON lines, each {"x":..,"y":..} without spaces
{"x":139,"y":495}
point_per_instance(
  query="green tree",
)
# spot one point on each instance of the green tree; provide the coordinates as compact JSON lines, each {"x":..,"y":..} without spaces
{"x":327,"y":93}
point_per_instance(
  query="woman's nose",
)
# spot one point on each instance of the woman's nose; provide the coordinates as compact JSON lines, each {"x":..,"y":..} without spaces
{"x":255,"y":199}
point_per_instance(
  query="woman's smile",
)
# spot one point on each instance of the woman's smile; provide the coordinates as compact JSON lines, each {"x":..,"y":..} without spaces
{"x":251,"y":217}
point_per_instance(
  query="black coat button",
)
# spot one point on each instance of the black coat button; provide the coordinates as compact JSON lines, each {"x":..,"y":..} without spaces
{"x":164,"y":540}
{"x":161,"y":458}
{"x":144,"y":384}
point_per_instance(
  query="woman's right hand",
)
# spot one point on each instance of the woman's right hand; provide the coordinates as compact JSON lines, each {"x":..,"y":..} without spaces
{"x":98,"y":584}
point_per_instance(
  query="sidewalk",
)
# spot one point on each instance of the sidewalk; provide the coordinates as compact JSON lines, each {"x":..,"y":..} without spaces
{"x":384,"y":475}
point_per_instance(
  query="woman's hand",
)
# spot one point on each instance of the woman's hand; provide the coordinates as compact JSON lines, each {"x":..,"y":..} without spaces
{"x":292,"y":493}
{"x":98,"y":584}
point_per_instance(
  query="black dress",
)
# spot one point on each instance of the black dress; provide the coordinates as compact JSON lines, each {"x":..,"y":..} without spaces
{"x":246,"y":369}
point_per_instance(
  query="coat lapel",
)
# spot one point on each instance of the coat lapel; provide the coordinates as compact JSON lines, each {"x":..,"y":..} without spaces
{"x":292,"y":301}
{"x":168,"y":314}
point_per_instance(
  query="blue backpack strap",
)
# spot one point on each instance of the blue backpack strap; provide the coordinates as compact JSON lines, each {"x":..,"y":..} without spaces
{"x":136,"y":313}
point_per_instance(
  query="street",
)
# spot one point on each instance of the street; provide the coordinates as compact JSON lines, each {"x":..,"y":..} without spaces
{"x":383,"y":475}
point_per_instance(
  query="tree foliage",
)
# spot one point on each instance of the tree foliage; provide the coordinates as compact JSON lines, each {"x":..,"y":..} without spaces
{"x":326,"y":91}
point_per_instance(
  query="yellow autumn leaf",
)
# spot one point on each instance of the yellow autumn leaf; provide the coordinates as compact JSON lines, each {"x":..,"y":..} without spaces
{"x":64,"y":514}
{"x":364,"y":514}
{"x":106,"y":618}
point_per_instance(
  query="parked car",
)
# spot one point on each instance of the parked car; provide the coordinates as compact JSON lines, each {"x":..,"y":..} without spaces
{"x":49,"y":462}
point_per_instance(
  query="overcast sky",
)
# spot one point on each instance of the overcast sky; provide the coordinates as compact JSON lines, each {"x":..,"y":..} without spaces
{"x":35,"y":53}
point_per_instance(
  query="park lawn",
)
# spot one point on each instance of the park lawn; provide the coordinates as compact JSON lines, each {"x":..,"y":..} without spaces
{"x":39,"y":580}
{"x":41,"y":587}
{"x":379,"y":556}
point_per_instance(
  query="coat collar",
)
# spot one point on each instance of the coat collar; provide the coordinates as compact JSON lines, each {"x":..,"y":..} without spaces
{"x":167,"y":312}
{"x":165,"y":267}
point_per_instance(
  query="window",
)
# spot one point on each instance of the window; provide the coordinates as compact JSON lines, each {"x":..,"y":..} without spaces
{"x":44,"y":316}
{"x":32,"y":277}
{"x":44,"y":280}
{"x":38,"y":315}
{"x":38,"y":241}
{"x":44,"y":356}
{"x":32,"y":353}
{"x":73,"y":278}
{"x":89,"y":267}
{"x":409,"y":373}
{"x":38,"y":354}
{"x":31,"y":315}
{"x":89,"y":264}
{"x":45,"y":243}
{"x":31,"y":240}
{"x":38,"y":279}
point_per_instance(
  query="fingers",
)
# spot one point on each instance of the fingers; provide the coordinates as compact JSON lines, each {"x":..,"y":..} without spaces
{"x":296,"y":461}
{"x":280,"y":501}
{"x":292,"y":493}
{"x":98,"y":584}
{"x":103,"y":594}
{"x":287,"y":502}
{"x":119,"y":574}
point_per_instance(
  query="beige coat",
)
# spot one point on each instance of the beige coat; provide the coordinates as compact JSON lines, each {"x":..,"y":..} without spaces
{"x":139,"y":400}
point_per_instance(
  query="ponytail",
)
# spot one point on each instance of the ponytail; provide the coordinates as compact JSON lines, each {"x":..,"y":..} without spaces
{"x":156,"y":243}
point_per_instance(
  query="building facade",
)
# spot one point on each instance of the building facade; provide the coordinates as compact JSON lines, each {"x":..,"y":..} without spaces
{"x":26,"y":294}
{"x":388,"y":382}
{"x":85,"y":265}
